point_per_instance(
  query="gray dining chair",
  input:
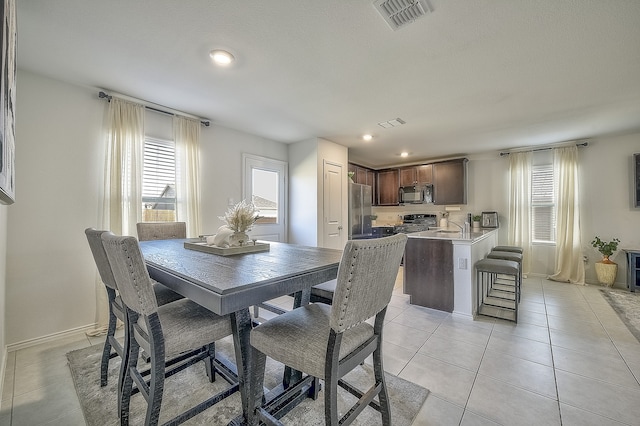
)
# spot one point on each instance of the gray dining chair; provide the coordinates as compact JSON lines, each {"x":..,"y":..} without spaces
{"x":327,"y":342}
{"x":148,"y":231}
{"x":182,"y":332}
{"x":116,"y":308}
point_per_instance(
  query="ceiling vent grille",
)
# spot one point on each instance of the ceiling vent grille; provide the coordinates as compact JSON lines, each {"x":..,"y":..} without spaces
{"x":398,"y":13}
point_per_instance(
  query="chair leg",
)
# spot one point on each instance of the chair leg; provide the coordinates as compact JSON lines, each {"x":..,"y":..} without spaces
{"x":156,"y":386}
{"x":209,"y":362}
{"x":331,"y":379}
{"x":106,"y":351}
{"x":127,"y":382}
{"x":378,"y":370}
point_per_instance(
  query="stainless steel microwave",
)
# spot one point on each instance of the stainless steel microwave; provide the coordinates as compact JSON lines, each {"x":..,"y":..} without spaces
{"x":417,"y":194}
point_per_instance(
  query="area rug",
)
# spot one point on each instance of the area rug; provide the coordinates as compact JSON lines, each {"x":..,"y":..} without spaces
{"x":191,"y":386}
{"x":627,"y":306}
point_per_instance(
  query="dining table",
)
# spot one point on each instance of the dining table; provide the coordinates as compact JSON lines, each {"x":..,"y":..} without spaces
{"x":230,"y":285}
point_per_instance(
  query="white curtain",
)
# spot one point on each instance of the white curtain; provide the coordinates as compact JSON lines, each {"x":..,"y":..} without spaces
{"x":519,"y":232}
{"x":186,"y":134}
{"x":122,"y":202}
{"x":569,"y":266}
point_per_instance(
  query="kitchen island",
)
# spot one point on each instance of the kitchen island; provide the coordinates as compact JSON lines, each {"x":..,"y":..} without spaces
{"x":439,"y":271}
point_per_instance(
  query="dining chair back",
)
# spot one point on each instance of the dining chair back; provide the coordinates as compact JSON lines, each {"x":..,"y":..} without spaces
{"x":117,"y":311}
{"x":175,"y":335}
{"x":327,"y":342}
{"x":148,"y":231}
{"x":116,"y":308}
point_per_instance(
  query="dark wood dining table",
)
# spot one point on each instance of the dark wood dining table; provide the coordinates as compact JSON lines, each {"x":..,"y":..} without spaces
{"x":232,"y":284}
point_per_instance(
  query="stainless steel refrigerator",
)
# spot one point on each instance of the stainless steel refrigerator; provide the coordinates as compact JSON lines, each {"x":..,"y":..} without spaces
{"x":359,"y":211}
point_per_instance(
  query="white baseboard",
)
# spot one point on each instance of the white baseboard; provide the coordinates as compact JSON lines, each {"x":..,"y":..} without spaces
{"x":51,"y":337}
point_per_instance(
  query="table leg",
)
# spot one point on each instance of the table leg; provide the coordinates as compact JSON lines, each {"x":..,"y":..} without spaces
{"x":241,"y":327}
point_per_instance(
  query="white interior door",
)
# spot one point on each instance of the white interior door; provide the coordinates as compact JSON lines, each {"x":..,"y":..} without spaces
{"x":334,"y":180}
{"x":265,"y":183}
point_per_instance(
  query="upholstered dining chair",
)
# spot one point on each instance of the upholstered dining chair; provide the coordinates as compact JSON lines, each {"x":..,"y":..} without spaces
{"x":327,"y":342}
{"x":182,"y":331}
{"x":148,"y":231}
{"x":116,"y":308}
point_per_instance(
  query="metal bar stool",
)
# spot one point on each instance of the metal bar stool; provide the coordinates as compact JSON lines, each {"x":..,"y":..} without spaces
{"x":487,"y":271}
{"x":512,"y":256}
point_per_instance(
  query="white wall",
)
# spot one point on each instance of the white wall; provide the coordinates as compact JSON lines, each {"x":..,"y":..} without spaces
{"x":606,"y":207}
{"x":59,"y":164}
{"x":303,"y":196}
{"x":50,"y":275}
{"x":221,"y":152}
{"x":306,"y":189}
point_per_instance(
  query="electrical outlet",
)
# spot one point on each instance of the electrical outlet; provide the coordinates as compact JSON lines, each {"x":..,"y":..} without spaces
{"x":462,"y":263}
{"x":585,"y":259}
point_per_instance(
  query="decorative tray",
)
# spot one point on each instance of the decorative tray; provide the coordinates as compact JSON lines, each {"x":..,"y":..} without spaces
{"x":227,"y":251}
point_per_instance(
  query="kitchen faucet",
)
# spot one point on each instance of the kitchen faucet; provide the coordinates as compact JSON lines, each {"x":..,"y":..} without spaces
{"x":463,"y":230}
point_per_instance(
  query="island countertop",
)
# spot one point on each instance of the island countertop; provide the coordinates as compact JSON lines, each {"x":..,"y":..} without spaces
{"x":456,"y":237}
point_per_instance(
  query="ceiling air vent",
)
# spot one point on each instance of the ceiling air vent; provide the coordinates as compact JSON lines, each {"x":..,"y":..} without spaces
{"x":398,"y":13}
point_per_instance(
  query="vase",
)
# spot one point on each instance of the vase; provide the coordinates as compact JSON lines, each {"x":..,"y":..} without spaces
{"x":238,"y":239}
{"x":606,"y":271}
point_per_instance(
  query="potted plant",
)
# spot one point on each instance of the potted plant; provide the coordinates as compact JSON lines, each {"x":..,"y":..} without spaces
{"x":476,"y":222}
{"x":373,"y":219}
{"x":606,"y":269}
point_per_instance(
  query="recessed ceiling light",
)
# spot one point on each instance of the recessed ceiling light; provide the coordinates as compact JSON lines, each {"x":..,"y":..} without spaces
{"x":404,"y":154}
{"x":367,"y":137}
{"x":221,"y":57}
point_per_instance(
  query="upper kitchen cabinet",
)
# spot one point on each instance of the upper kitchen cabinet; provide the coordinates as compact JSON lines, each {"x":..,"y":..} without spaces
{"x":388,"y":185}
{"x":364,"y":176}
{"x":416,"y":175}
{"x":450,"y":182}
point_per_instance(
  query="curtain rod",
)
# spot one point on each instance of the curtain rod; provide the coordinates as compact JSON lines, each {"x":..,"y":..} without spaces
{"x":502,"y":154}
{"x":204,"y":122}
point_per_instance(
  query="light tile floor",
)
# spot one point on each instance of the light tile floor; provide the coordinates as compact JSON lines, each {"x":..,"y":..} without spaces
{"x":570,"y":361}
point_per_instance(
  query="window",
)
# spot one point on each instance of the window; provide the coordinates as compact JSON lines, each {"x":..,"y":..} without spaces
{"x":543,"y":221}
{"x":159,"y":181}
{"x":264,"y":184}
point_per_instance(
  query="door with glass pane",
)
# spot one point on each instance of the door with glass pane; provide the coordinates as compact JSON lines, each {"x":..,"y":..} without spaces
{"x":264,"y":184}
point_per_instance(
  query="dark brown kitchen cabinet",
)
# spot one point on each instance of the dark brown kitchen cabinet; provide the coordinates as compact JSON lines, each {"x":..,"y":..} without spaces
{"x":428,"y":273}
{"x":364,"y":176}
{"x":416,"y":175}
{"x":450,"y":182}
{"x":388,"y":185}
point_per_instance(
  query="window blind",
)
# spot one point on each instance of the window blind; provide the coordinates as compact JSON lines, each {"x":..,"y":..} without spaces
{"x":542,"y":204}
{"x":159,"y":175}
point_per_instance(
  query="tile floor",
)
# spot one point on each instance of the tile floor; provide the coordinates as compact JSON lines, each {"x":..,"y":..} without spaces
{"x":570,"y":361}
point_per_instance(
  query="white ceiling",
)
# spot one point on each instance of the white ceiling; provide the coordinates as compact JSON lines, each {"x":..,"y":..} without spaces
{"x":471,"y":76}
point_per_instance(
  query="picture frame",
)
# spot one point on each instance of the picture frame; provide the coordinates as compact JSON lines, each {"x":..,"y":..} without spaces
{"x":8,"y":41}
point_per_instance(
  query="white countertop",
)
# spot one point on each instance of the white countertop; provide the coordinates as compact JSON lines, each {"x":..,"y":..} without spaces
{"x":453,"y":235}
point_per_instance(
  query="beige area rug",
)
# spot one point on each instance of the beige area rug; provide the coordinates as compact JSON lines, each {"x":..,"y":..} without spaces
{"x":191,"y":386}
{"x":627,"y":305}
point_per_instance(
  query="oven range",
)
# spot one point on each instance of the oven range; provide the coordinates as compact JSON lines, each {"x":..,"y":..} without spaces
{"x":416,"y":222}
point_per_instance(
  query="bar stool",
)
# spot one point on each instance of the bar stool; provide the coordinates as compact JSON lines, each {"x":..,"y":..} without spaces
{"x":512,"y":256}
{"x":514,"y":249}
{"x":487,"y":271}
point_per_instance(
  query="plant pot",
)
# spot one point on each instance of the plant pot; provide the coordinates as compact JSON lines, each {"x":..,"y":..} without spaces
{"x":606,"y":271}
{"x":476,"y":225}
